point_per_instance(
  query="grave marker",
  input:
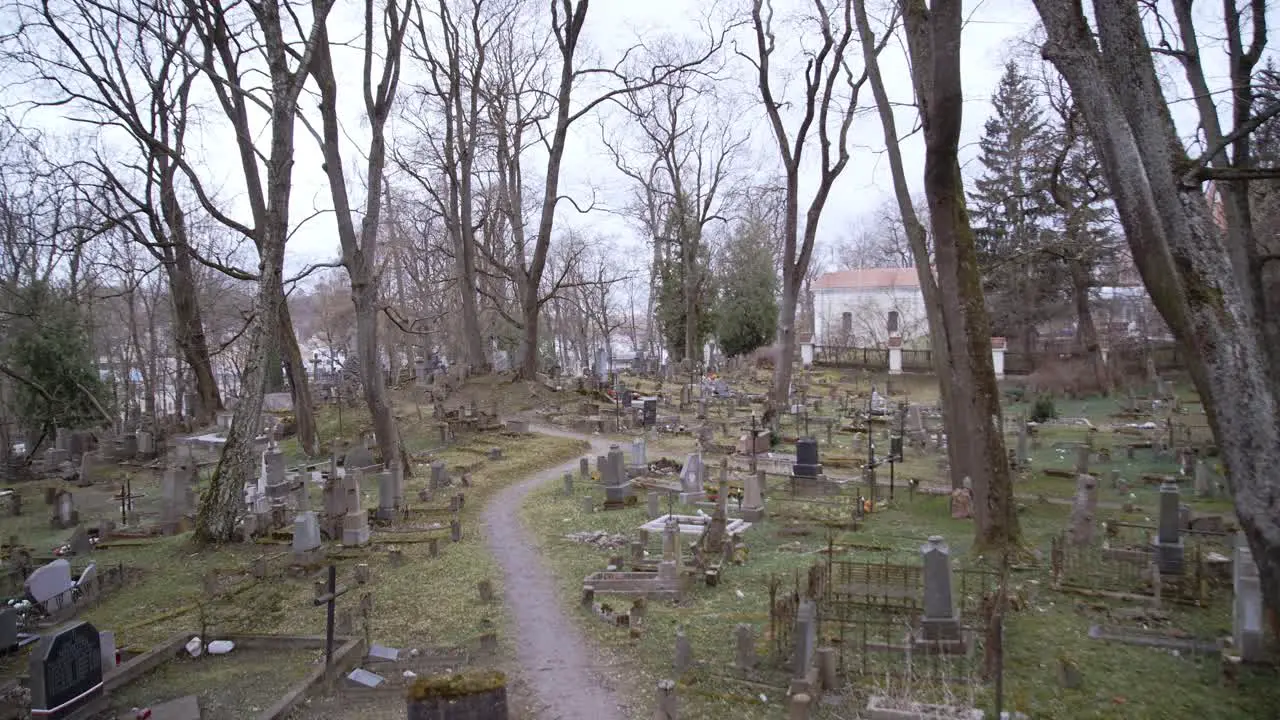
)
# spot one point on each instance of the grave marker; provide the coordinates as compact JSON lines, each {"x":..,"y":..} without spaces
{"x":66,"y":673}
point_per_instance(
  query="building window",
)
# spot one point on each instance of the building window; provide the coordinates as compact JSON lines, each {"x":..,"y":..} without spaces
{"x":846,"y":323}
{"x":893,"y":322}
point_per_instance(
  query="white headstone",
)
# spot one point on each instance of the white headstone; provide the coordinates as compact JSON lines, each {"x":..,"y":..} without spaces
{"x":49,"y":581}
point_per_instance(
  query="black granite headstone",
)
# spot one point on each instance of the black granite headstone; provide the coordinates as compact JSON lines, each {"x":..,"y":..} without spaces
{"x":807,"y":463}
{"x":66,"y":672}
{"x":650,"y":412}
{"x":807,"y":451}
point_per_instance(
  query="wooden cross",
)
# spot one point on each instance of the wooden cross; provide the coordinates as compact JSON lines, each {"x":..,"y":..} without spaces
{"x":328,"y":598}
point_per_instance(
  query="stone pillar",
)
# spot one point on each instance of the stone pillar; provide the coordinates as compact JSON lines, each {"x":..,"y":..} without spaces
{"x":800,"y":703}
{"x":895,"y":355}
{"x":998,"y":347}
{"x":745,"y":639}
{"x":666,"y":701}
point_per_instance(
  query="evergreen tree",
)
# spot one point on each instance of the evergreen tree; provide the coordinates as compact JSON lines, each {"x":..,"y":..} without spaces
{"x":685,"y":291}
{"x":747,"y":311}
{"x":1010,"y":203}
{"x":48,"y":346}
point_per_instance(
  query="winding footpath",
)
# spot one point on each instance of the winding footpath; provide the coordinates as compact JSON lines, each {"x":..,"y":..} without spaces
{"x":555,"y":659}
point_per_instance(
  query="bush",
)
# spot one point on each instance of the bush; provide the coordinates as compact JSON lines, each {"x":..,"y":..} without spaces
{"x":1043,"y":409}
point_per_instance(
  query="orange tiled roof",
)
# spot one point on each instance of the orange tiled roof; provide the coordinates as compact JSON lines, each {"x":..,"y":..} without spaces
{"x":867,"y":278}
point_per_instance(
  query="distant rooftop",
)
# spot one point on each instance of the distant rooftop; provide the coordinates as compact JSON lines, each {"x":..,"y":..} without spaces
{"x":868,"y":279}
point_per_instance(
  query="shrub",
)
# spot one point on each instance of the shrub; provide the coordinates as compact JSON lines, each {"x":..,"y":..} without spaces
{"x":1043,"y":409}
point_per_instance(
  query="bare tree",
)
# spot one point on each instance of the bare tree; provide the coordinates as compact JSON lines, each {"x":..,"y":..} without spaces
{"x":933,"y":37}
{"x":457,"y":67}
{"x":1217,"y":290}
{"x":528,"y":263}
{"x":829,"y":103}
{"x":75,"y":49}
{"x":360,"y":249}
{"x":685,"y":182}
{"x":226,"y":38}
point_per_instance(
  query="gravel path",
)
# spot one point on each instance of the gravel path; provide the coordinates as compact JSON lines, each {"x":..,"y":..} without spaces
{"x":555,"y":659}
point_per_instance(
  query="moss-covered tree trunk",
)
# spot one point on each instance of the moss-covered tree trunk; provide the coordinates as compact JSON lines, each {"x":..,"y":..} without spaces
{"x":958,"y":454}
{"x":977,"y":421}
{"x":295,"y":368}
{"x":1217,"y":311}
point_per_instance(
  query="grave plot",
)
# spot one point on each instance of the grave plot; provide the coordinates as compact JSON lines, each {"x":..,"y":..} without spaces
{"x":243,"y":683}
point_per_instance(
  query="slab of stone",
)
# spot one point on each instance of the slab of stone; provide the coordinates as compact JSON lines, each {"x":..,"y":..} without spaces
{"x":183,"y":708}
{"x":364,"y":678}
{"x":382,"y":652}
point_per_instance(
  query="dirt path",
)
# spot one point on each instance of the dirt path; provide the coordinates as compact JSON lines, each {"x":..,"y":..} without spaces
{"x":557,"y":662}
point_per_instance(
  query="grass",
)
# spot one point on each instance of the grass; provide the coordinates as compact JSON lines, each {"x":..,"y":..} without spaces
{"x":1119,"y":681}
{"x":424,"y":602}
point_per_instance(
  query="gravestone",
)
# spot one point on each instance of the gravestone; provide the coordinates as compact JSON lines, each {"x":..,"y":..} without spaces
{"x":357,"y":457}
{"x":639,"y":462}
{"x":1024,"y":452}
{"x":806,"y":640}
{"x":107,"y":639}
{"x":1169,"y":546}
{"x":617,"y":488}
{"x":752,"y":508}
{"x":355,"y":523}
{"x":650,"y":413}
{"x":807,"y":463}
{"x":691,"y":489}
{"x":439,"y":475}
{"x":66,"y":674}
{"x":146,"y":444}
{"x":78,"y":543}
{"x":745,"y":638}
{"x":306,"y":545}
{"x":129,"y":446}
{"x":652,"y":505}
{"x":47,"y":583}
{"x":66,"y":515}
{"x":8,"y":629}
{"x":1246,"y":617}
{"x":386,"y":496}
{"x":941,"y":622}
{"x":273,"y":461}
{"x":176,"y":496}
{"x":1205,"y":482}
{"x":1084,"y":510}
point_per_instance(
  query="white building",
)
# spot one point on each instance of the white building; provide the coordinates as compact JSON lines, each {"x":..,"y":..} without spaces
{"x":856,"y":308}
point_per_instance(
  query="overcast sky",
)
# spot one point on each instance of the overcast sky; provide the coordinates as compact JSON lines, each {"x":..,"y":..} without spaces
{"x":995,"y":31}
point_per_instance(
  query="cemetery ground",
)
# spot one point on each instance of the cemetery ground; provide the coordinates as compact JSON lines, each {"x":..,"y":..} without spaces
{"x":418,"y":601}
{"x":1052,"y":668}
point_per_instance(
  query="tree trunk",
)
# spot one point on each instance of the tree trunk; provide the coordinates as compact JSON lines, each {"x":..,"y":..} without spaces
{"x":364,"y":295}
{"x":976,"y":396}
{"x":188,"y":335}
{"x":188,"y":324}
{"x":786,"y":343}
{"x":1086,"y":331}
{"x":1182,"y":256}
{"x":464,"y":248}
{"x":299,"y":384}
{"x":222,"y":501}
{"x":917,"y":239}
{"x":529,"y":333}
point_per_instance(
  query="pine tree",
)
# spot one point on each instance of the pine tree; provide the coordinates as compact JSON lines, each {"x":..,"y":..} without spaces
{"x":747,"y":311}
{"x":48,"y":347}
{"x":1010,"y":203}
